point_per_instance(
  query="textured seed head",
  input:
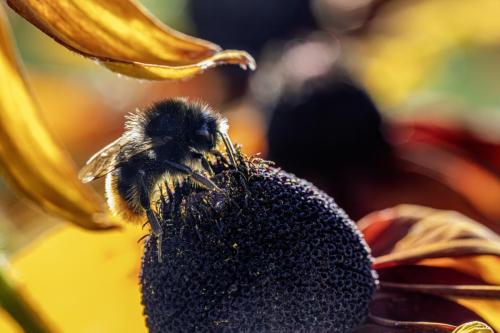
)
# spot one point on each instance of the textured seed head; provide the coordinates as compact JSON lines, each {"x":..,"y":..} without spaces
{"x":270,"y":253}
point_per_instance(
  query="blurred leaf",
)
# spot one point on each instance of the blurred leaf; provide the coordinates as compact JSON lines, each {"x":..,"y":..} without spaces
{"x":408,"y":40}
{"x":125,"y":38}
{"x":30,"y":157}
{"x":473,"y":327}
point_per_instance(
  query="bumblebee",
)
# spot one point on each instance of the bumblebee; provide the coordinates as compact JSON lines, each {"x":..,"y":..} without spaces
{"x":171,"y":139}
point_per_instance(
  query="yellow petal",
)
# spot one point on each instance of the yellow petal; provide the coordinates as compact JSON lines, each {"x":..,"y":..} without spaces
{"x":30,"y":158}
{"x":473,"y":327}
{"x":122,"y":36}
{"x":82,"y":281}
{"x":7,"y":324}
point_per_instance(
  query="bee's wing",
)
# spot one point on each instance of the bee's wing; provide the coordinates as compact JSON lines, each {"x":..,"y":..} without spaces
{"x":103,"y":162}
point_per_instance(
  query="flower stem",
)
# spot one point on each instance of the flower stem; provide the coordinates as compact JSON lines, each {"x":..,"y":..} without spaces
{"x":19,"y":308}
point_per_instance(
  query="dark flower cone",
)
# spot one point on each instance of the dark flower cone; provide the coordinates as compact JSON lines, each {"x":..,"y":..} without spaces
{"x":268,"y":253}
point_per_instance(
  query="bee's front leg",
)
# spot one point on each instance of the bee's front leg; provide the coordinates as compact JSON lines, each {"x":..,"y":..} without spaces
{"x":199,"y":178}
{"x":204,"y":162}
{"x":231,"y":152}
{"x":146,"y":204}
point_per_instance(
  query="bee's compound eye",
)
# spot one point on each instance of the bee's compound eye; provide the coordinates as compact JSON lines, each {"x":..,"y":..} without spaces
{"x":203,"y":133}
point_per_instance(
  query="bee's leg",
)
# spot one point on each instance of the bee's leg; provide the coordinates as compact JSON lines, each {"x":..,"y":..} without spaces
{"x":206,"y":165}
{"x":204,"y":162}
{"x":142,"y":238}
{"x":217,"y":153}
{"x":153,"y":221}
{"x":231,"y":152}
{"x":204,"y":181}
{"x":162,"y":196}
{"x":169,"y":193}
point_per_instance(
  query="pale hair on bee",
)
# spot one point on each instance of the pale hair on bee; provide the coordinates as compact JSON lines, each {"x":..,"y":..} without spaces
{"x":173,"y":139}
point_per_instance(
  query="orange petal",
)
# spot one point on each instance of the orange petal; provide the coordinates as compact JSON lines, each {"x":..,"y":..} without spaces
{"x":31,"y":158}
{"x":459,"y":291}
{"x":408,"y":310}
{"x":408,"y":326}
{"x":457,"y":248}
{"x":124,"y":37}
{"x":481,"y":187}
{"x":409,"y":233}
{"x":483,"y":267}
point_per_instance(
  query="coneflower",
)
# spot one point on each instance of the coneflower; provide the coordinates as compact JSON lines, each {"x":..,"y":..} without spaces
{"x":270,"y":252}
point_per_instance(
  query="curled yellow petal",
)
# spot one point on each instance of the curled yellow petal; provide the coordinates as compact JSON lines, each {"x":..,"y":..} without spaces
{"x":122,"y":36}
{"x":30,"y":158}
{"x":473,"y":327}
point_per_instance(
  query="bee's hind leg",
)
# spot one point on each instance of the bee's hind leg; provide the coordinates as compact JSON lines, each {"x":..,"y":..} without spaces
{"x":152,"y":219}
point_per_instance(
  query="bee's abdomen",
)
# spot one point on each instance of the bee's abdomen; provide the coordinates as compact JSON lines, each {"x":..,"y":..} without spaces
{"x":122,"y":194}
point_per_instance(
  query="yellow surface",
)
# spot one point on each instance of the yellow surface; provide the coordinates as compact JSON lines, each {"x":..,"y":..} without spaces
{"x":83,"y":282}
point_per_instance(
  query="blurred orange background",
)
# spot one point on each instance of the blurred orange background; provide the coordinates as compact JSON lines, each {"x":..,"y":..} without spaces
{"x":376,"y":102}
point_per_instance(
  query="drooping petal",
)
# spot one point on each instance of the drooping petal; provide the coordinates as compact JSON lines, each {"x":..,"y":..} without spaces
{"x":383,"y":325}
{"x":413,"y":308}
{"x":483,"y":267}
{"x":441,"y":253}
{"x":411,"y":233}
{"x":458,"y":248}
{"x":125,"y":38}
{"x":379,"y":324}
{"x":474,"y":291}
{"x":30,"y":157}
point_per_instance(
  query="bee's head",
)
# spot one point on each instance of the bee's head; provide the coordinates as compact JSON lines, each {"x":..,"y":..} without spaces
{"x":204,"y":133}
{"x":177,"y":120}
